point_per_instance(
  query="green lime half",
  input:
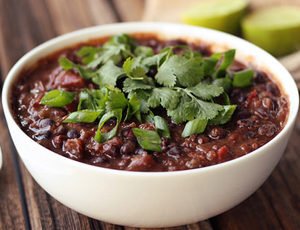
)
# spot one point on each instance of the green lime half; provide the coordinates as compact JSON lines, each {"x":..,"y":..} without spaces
{"x":275,"y":29}
{"x":224,"y":15}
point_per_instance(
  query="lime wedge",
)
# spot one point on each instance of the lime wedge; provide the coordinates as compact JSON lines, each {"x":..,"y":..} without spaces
{"x":224,"y":15}
{"x":275,"y":29}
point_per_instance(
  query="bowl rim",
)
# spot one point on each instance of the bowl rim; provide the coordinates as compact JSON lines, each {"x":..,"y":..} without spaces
{"x":159,"y":26}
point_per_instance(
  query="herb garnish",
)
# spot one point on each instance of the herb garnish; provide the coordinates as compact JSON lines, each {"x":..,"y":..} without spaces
{"x":191,"y":88}
{"x":57,"y":98}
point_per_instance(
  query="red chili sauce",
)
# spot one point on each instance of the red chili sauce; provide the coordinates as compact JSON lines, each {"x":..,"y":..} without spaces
{"x":261,"y":113}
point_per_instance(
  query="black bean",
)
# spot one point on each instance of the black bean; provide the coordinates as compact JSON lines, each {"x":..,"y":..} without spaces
{"x":261,"y":113}
{"x":260,"y":77}
{"x":128,"y":148}
{"x":175,"y":42}
{"x":152,"y":72}
{"x":58,"y":141}
{"x":44,"y":135}
{"x":140,"y":151}
{"x":98,"y":160}
{"x":202,"y":139}
{"x":243,"y":114}
{"x":250,"y":134}
{"x":211,"y":155}
{"x":246,"y":148}
{"x":272,"y":88}
{"x":60,"y":130}
{"x":110,"y":150}
{"x":174,"y":151}
{"x":238,"y":95}
{"x":73,"y":133}
{"x":267,"y":103}
{"x":164,"y":144}
{"x":245,"y":123}
{"x":45,"y":122}
{"x":267,"y":130}
{"x":74,"y":148}
{"x":217,"y":133}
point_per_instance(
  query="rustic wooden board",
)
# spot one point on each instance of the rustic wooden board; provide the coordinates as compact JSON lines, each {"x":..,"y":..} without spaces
{"x":23,"y":204}
{"x":129,"y":10}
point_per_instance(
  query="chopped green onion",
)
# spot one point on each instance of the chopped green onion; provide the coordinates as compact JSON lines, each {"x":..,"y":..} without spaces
{"x":162,"y":126}
{"x":102,"y":137}
{"x":57,"y":98}
{"x":195,"y":126}
{"x":85,"y":116}
{"x":148,"y":139}
{"x":243,"y":78}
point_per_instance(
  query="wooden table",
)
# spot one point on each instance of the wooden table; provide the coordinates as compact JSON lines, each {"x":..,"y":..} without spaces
{"x":24,"y":204}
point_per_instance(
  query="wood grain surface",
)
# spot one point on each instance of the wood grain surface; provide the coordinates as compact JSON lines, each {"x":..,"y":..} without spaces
{"x":25,"y":205}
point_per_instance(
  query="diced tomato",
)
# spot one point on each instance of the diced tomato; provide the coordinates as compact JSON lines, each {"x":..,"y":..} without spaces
{"x":222,"y":153}
{"x":69,"y":79}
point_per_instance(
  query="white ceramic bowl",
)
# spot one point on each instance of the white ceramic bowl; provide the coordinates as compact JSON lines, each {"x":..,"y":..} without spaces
{"x":147,"y":199}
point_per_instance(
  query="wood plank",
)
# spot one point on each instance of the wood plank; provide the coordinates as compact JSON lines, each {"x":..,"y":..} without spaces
{"x":11,"y":213}
{"x":129,"y":10}
{"x":80,"y":14}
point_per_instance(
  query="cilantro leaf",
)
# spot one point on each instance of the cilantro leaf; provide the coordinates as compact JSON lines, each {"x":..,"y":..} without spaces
{"x":131,"y":85}
{"x":143,"y":96}
{"x":116,"y":100}
{"x":108,"y":53}
{"x":65,"y":63}
{"x":191,"y":107}
{"x":157,"y":59}
{"x":180,"y":114}
{"x":143,"y":51}
{"x":187,"y":72}
{"x":202,"y":109}
{"x":206,"y":91}
{"x":118,"y":47}
{"x":92,"y":99}
{"x":134,"y":69}
{"x":185,"y":84}
{"x":225,"y":83}
{"x":84,"y":72}
{"x":134,"y":108}
{"x":108,"y":74}
{"x":87,"y":53}
{"x":224,"y":116}
{"x":166,"y":97}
